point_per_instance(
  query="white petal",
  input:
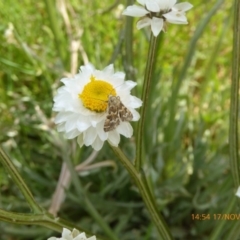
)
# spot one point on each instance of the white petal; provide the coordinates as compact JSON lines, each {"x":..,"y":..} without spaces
{"x":171,"y":3}
{"x":95,"y":119}
{"x":125,"y":129}
{"x":97,"y":144}
{"x":65,"y":81}
{"x":82,"y":124}
{"x":166,"y":4}
{"x":127,"y":86}
{"x":176,"y":18}
{"x":238,"y":192}
{"x":135,"y":11}
{"x":109,"y":69}
{"x":135,"y":114}
{"x":89,"y":136}
{"x":152,"y":6}
{"x":76,"y":233}
{"x":100,"y":132}
{"x":183,"y":7}
{"x":114,"y":138}
{"x":61,"y":117}
{"x":80,"y":140}
{"x":66,"y":233}
{"x":135,"y":102}
{"x":72,"y":134}
{"x":61,"y":127}
{"x":52,"y":238}
{"x":143,"y":23}
{"x":117,"y":79}
{"x":71,"y":123}
{"x":81,"y":236}
{"x":142,"y":2}
{"x":156,"y":25}
{"x":87,"y":67}
{"x":119,"y":75}
{"x":92,"y":238}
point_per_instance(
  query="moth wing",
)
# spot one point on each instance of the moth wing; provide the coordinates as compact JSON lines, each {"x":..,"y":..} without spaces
{"x":116,"y":112}
{"x":111,"y":122}
{"x":124,"y":113}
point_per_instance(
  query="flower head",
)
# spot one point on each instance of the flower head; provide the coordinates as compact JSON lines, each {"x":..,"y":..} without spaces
{"x":82,"y":106}
{"x":156,"y":13}
{"x":74,"y":235}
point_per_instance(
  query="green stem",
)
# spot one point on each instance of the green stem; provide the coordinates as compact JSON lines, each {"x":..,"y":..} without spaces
{"x":58,"y":35}
{"x":82,"y":194}
{"x":233,"y":124}
{"x":11,"y":169}
{"x":146,"y":194}
{"x":145,"y":94}
{"x":32,"y":219}
{"x":45,"y":220}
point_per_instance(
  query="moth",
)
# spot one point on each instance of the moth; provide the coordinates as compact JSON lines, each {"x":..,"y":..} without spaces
{"x":116,"y":112}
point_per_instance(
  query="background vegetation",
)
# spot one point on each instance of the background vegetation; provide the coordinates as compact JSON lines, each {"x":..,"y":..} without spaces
{"x":186,"y":135}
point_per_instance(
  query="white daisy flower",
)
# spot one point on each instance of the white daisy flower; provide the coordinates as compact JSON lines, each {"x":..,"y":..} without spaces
{"x":74,"y":235}
{"x":155,"y":13}
{"x":82,"y":106}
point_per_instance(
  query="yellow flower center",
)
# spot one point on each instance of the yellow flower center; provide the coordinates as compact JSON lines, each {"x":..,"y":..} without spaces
{"x":95,"y":94}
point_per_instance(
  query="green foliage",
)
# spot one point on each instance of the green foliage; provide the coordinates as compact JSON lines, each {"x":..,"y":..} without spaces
{"x":187,"y":161}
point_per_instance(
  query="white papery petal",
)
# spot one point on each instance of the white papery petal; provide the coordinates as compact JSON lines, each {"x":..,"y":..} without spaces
{"x":135,"y":102}
{"x":61,"y":117}
{"x":95,"y":119}
{"x":61,"y":127}
{"x":135,"y":114}
{"x":83,"y":125}
{"x":80,"y":140}
{"x":119,"y":75}
{"x":143,"y":23}
{"x":183,"y":7}
{"x":97,"y":144}
{"x":81,"y":236}
{"x":117,"y":79}
{"x":89,"y":136}
{"x":109,"y":69}
{"x":142,"y":2}
{"x":125,"y":129}
{"x":238,"y":192}
{"x":114,"y":138}
{"x":100,"y":132}
{"x":135,"y":11}
{"x":176,"y":18}
{"x":72,"y":134}
{"x":156,"y":25}
{"x":71,"y":123}
{"x":74,"y":235}
{"x":127,"y":86}
{"x":152,"y":6}
{"x":166,"y":4}
{"x":92,"y":238}
{"x":87,"y":67}
{"x":66,"y":233}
